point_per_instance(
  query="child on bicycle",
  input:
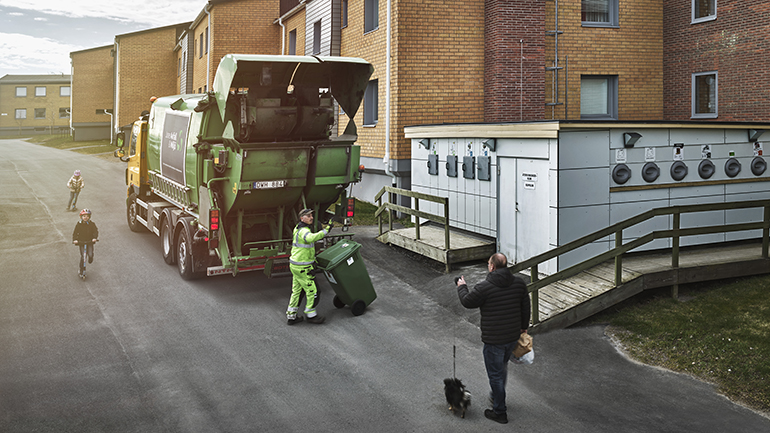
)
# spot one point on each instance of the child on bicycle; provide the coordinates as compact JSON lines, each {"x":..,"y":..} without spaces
{"x":84,"y":236}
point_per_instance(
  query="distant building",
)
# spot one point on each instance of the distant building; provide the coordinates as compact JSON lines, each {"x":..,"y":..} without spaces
{"x":34,"y":104}
{"x":93,"y":93}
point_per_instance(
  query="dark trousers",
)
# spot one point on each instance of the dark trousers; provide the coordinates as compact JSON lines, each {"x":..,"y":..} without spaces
{"x":496,"y":359}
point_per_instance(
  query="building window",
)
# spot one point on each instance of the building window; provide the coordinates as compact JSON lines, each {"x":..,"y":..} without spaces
{"x":21,"y":92}
{"x":64,"y":91}
{"x":599,"y":97}
{"x":200,"y":50}
{"x":21,"y":113}
{"x":207,"y":40}
{"x":317,"y":37}
{"x":64,"y":113}
{"x":371,"y":15}
{"x":705,"y":95}
{"x":40,"y":91}
{"x":344,"y":13}
{"x":599,"y":13}
{"x":293,"y":42}
{"x":371,"y":104}
{"x":704,"y":10}
{"x":39,"y":113}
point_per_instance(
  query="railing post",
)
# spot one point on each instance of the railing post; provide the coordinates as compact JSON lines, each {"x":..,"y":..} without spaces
{"x":535,"y":304}
{"x":379,"y":217}
{"x":766,"y":233}
{"x":390,"y":211}
{"x":675,"y":254}
{"x":618,"y":259}
{"x":446,"y":223}
{"x":417,"y":219}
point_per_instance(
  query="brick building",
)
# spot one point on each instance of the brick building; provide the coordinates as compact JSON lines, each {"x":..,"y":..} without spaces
{"x":93,"y":93}
{"x":34,"y":104}
{"x":145,"y":66}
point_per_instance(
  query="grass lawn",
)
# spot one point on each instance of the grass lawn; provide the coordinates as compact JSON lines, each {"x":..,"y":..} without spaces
{"x":717,"y":331}
{"x":66,"y":142}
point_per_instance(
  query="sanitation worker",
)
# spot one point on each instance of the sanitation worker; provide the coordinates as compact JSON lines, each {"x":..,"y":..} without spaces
{"x":301,"y":266}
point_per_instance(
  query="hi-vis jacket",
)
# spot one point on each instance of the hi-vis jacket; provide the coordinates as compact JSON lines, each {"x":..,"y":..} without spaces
{"x":303,"y":244}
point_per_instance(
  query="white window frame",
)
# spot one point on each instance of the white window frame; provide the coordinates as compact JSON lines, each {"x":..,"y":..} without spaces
{"x":21,"y":113}
{"x":709,"y":115}
{"x":712,"y":17}
{"x":614,"y":12}
{"x":23,"y":90}
{"x":371,"y":15}
{"x":293,"y":42}
{"x":612,"y":98}
{"x":65,"y":93}
{"x":64,"y":113}
{"x":371,"y":103}
{"x":40,"y":91}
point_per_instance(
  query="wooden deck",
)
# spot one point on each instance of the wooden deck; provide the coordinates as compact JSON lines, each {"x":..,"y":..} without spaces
{"x":571,"y":300}
{"x":462,"y":247}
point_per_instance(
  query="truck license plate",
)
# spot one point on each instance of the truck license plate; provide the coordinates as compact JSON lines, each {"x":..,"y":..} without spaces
{"x":269,"y":184}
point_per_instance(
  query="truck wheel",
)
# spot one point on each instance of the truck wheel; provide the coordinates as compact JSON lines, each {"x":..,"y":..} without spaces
{"x":167,"y":241}
{"x":131,"y":214}
{"x":184,"y":259}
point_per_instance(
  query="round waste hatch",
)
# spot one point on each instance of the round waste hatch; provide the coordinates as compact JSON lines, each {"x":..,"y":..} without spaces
{"x":650,"y":172}
{"x":621,"y":174}
{"x":732,"y":167}
{"x":758,"y":165}
{"x":678,"y":170}
{"x":706,"y":169}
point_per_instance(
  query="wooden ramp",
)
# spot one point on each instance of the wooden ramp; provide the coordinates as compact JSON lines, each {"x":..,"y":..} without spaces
{"x":462,"y":246}
{"x":573,"y":299}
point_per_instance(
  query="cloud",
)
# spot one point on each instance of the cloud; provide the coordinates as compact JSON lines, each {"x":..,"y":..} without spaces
{"x":154,"y":13}
{"x":28,"y":53}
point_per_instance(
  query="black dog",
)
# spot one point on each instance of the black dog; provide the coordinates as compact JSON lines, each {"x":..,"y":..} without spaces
{"x":456,"y":395}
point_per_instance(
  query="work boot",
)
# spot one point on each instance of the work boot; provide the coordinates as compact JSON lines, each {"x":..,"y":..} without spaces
{"x":295,"y":320}
{"x":316,"y":319}
{"x":502,"y":418}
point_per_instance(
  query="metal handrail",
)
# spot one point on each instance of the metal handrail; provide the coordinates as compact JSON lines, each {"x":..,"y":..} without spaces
{"x":617,"y":253}
{"x":417,"y":196}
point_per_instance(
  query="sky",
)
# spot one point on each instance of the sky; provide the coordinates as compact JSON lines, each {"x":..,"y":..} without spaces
{"x":36,"y":36}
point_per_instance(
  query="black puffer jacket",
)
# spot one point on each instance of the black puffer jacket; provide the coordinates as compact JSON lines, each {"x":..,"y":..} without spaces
{"x":504,"y":304}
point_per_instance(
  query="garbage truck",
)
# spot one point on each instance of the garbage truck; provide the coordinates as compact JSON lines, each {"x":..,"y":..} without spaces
{"x":220,"y":176}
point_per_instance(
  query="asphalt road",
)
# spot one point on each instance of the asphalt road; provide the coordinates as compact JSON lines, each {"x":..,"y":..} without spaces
{"x":134,"y":348}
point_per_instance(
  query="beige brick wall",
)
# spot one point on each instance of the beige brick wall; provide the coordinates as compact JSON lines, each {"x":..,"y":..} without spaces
{"x":437,"y":66}
{"x":296,"y":22}
{"x":237,"y":27}
{"x":92,"y":84}
{"x":147,"y":67}
{"x":633,"y":52}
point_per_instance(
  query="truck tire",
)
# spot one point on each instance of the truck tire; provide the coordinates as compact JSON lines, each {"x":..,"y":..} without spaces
{"x":184,"y":258}
{"x":167,"y":241}
{"x":132,"y":210}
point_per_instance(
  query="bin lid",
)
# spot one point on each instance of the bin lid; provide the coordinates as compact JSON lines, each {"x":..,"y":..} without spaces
{"x":336,"y":254}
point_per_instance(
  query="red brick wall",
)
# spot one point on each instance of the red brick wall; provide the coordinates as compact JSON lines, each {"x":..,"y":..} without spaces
{"x":735,"y":45}
{"x":514,"y":87}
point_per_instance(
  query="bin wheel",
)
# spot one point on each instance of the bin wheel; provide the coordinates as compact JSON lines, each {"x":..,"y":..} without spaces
{"x":338,"y":302}
{"x":358,"y":307}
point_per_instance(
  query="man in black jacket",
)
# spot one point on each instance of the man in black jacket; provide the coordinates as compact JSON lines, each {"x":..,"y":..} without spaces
{"x":505,"y":311}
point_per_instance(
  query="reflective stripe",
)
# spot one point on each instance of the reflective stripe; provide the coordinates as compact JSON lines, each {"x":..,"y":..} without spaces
{"x":295,"y":244}
{"x":300,"y":263}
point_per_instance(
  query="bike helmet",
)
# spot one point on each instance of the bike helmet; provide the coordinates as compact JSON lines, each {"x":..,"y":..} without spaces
{"x":77,"y":173}
{"x":85,"y":212}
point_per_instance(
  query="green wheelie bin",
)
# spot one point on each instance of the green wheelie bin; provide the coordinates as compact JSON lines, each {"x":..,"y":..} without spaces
{"x":347,"y":274}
